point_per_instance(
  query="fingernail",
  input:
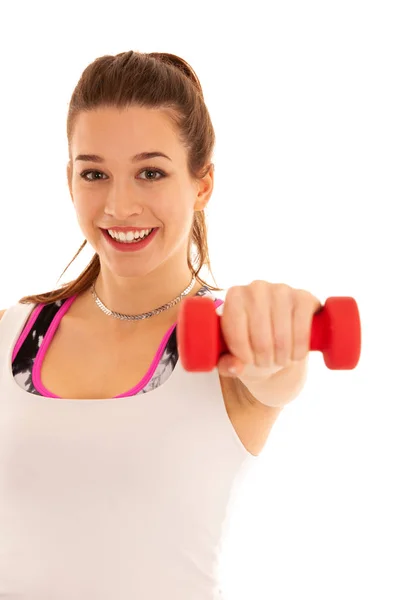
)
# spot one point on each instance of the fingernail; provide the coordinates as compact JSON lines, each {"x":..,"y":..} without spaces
{"x":232,"y":370}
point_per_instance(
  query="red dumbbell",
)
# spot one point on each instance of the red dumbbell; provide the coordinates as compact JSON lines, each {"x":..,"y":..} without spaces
{"x":335,"y":331}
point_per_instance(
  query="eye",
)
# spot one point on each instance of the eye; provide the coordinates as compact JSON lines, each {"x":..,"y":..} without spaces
{"x":84,"y":174}
{"x":150,"y":170}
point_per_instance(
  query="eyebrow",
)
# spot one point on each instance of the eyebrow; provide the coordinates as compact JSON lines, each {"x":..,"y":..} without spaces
{"x":137,"y":157}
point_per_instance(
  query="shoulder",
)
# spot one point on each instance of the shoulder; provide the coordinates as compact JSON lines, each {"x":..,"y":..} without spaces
{"x":18,"y":309}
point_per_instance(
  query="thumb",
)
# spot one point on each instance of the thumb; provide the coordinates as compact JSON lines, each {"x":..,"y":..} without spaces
{"x":227,"y":362}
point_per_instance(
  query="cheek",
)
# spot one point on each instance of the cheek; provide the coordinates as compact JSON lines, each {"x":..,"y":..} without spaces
{"x":179,"y":222}
{"x":87,"y":208}
{"x":179,"y":211}
{"x":168,"y":212}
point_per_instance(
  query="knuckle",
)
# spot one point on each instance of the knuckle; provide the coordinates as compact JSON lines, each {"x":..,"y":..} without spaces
{"x":303,"y":340}
{"x":257,"y":283}
{"x":282,"y":341}
{"x":233,"y":291}
{"x":258,"y":286}
{"x":239,"y":347}
{"x":282,"y":290}
{"x":261,"y":346}
{"x":301,"y":345}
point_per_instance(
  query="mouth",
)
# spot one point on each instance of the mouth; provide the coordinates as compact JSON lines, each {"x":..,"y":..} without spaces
{"x":133,"y":245}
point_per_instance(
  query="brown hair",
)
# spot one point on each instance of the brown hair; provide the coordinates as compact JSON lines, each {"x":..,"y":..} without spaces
{"x":155,"y":80}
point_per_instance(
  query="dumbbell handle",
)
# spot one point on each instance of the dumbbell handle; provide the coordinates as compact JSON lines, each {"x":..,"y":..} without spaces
{"x":335,"y":332}
{"x":319,"y":340}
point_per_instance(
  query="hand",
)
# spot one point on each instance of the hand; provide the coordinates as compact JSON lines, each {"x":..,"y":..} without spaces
{"x":267,"y":329}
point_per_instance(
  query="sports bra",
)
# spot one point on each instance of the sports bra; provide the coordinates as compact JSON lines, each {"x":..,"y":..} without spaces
{"x":39,"y":330}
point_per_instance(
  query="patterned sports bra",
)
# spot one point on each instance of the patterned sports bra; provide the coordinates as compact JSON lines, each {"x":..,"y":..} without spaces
{"x":40,"y":328}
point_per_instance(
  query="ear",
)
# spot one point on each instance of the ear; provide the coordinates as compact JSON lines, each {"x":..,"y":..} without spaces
{"x":205,"y":189}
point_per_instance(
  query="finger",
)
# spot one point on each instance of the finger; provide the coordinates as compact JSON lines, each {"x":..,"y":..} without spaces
{"x":260,"y":325}
{"x":235,"y":327}
{"x":303,"y":315}
{"x":282,"y":317}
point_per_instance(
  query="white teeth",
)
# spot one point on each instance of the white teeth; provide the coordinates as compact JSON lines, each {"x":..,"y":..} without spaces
{"x":120,"y":236}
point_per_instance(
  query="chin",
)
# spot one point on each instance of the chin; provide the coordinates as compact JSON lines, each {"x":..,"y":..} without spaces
{"x":127,"y":270}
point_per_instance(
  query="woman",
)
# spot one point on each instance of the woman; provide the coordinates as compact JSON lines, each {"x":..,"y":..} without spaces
{"x":117,"y":467}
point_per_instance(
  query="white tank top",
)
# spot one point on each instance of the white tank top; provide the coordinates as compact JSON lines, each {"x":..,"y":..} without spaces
{"x":118,"y":499}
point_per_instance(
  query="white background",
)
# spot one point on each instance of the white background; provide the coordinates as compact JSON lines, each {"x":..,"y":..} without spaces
{"x":304,"y":98}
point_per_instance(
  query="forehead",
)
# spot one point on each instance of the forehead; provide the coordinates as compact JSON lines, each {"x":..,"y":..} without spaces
{"x":109,"y":130}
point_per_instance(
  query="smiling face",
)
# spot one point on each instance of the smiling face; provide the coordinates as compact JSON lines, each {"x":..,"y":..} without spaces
{"x":118,"y":190}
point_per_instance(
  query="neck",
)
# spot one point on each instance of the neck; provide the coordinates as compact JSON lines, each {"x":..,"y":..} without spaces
{"x":125,"y":296}
{"x":133,"y":296}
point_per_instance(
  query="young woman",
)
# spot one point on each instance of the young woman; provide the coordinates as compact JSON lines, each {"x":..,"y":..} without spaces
{"x":117,"y":466}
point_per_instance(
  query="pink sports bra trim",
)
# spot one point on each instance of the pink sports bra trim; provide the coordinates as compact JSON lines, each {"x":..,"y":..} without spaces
{"x":37,"y":366}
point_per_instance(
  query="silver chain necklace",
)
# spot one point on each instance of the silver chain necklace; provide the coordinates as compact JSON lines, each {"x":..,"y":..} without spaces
{"x":157,"y":311}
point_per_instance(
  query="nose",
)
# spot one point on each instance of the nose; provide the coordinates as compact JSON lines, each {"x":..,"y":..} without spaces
{"x":121,"y":203}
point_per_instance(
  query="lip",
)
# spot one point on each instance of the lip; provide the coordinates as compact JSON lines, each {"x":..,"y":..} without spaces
{"x":133,"y":247}
{"x":126,"y":229}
